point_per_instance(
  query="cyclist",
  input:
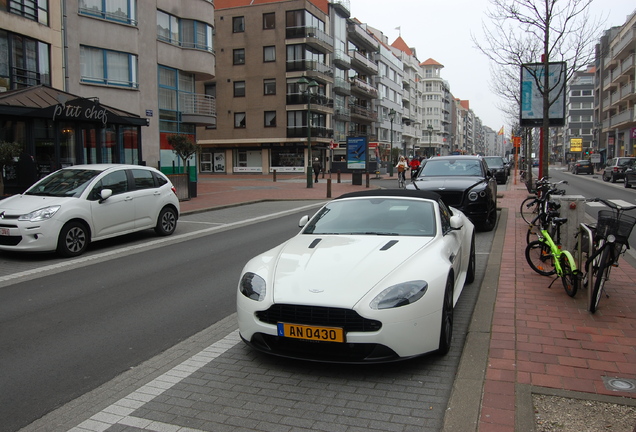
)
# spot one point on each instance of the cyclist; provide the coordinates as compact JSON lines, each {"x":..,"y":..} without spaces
{"x":415,"y":165}
{"x":402,"y":166}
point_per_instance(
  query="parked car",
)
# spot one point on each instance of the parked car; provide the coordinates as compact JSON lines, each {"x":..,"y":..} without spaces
{"x":629,"y":175}
{"x":465,"y":183}
{"x":583,"y":166}
{"x":373,"y":276}
{"x":72,"y":207}
{"x":615,"y":168}
{"x":497,"y":167}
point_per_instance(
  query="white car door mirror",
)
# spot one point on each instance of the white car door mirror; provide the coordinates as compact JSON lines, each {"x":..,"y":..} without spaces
{"x":105,"y":194}
{"x":456,"y":222}
{"x":303,"y":221}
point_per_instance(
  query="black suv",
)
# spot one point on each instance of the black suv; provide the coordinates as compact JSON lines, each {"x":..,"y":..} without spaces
{"x":463,"y":182}
{"x":615,"y":168}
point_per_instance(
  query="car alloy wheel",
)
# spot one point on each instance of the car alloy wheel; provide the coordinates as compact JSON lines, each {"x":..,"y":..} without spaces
{"x":73,"y":239}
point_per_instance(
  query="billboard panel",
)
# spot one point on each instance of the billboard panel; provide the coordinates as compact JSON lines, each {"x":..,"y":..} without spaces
{"x":532,"y":75}
{"x":357,"y":153}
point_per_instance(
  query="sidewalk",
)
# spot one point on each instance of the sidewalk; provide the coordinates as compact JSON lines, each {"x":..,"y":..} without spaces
{"x":537,"y":341}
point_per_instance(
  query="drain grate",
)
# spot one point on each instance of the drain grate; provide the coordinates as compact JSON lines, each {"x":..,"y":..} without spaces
{"x":620,"y":384}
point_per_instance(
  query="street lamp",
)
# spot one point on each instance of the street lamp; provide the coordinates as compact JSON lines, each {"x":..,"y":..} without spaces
{"x":308,"y":88}
{"x":430,"y":136}
{"x":391,"y":118}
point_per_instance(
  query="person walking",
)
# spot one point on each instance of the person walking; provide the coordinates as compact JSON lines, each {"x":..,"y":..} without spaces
{"x":317,"y":168}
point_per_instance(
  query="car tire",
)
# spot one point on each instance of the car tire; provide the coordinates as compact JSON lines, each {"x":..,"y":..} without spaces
{"x":470,"y":272}
{"x":166,"y":222}
{"x":73,"y":239}
{"x":491,"y":220}
{"x":626,"y":183}
{"x":605,"y":179}
{"x":446,"y":329}
{"x":613,"y":178}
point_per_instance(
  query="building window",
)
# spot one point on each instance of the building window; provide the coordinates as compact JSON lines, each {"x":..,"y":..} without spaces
{"x":270,"y":118}
{"x":239,"y":56}
{"x":24,"y":62}
{"x":113,"y":68}
{"x":35,"y":10}
{"x":124,"y":11}
{"x":239,"y":88}
{"x":269,"y":21}
{"x":184,"y":32}
{"x":176,"y":89}
{"x":269,"y":54}
{"x":269,"y":86}
{"x":238,"y":24}
{"x":210,"y":90}
{"x":239,"y":120}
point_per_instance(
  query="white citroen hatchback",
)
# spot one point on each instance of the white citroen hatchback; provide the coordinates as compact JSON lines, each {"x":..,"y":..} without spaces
{"x":74,"y":206}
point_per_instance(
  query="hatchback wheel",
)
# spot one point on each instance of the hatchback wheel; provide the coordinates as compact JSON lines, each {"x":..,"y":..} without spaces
{"x":626,"y":182}
{"x":613,"y":178}
{"x":166,"y":222}
{"x":73,"y":240}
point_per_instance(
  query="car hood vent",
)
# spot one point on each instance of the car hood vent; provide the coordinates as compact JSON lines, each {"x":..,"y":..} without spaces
{"x":389,"y":245}
{"x":314,"y":243}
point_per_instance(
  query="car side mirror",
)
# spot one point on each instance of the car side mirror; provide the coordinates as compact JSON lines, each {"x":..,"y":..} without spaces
{"x":105,"y":194}
{"x":456,"y":222}
{"x":303,"y":221}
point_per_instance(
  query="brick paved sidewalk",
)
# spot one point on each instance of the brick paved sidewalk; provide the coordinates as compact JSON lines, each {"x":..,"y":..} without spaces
{"x":542,"y":339}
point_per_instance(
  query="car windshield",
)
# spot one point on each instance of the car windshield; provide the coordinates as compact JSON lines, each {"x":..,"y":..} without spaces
{"x":624,"y":161}
{"x":63,"y":183}
{"x":451,"y":167}
{"x":494,"y":162}
{"x":374,"y":216}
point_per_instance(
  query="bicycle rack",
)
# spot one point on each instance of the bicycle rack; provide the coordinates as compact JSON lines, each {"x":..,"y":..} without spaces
{"x":586,"y":232}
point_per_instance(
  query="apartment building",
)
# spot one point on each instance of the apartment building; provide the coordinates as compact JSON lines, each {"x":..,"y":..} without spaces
{"x":579,"y":138}
{"x":615,"y":91}
{"x":118,"y":85}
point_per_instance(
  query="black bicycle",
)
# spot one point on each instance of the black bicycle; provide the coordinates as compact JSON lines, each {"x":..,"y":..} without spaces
{"x":536,"y":211}
{"x":609,"y":241}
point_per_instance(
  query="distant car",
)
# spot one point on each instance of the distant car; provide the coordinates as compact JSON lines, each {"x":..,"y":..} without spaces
{"x":70,"y":208}
{"x":615,"y":168}
{"x":629,"y":175}
{"x":465,"y":183}
{"x":583,"y":166}
{"x":497,"y":167}
{"x":372,"y":277}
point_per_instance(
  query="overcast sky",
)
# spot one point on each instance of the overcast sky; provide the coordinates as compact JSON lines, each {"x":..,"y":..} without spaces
{"x":442,"y":30}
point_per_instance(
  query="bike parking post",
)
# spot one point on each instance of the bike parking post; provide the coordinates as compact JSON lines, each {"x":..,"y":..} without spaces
{"x":585,"y":233}
{"x":573,"y":208}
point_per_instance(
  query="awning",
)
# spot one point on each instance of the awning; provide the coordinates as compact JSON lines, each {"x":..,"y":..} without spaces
{"x":52,"y":104}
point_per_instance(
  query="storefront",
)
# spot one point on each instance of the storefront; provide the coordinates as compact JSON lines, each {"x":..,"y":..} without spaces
{"x":57,"y":129}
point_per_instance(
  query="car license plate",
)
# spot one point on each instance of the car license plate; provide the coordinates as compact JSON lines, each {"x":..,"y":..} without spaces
{"x":5,"y":231}
{"x":315,"y":333}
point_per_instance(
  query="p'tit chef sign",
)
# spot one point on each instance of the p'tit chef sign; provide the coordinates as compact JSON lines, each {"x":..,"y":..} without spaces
{"x":82,"y":110}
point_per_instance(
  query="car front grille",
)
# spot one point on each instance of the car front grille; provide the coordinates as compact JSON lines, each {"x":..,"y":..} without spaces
{"x":452,"y":198}
{"x":10,"y":240}
{"x":347,"y":319}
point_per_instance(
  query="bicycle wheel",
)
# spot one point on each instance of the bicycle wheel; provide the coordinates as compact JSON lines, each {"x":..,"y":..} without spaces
{"x":570,"y":278}
{"x":602,"y":274}
{"x":529,"y":209}
{"x":533,"y":232}
{"x":540,"y":258}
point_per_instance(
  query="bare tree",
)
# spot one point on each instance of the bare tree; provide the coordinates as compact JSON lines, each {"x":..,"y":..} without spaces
{"x":539,"y":31}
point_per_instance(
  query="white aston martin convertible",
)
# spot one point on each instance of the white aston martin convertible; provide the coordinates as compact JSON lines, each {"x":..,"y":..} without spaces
{"x":373,"y":276}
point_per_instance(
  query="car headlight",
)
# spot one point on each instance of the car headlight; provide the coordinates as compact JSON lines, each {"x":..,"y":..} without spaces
{"x":40,"y":215}
{"x":475,"y":195}
{"x":252,"y":286}
{"x":400,"y":295}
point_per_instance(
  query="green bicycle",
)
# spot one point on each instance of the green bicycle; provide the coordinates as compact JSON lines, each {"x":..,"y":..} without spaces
{"x":546,"y":257}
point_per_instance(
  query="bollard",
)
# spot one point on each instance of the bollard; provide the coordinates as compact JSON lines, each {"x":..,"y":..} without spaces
{"x":328,"y":188}
{"x":339,"y":176}
{"x":367,"y":178}
{"x":274,"y":176}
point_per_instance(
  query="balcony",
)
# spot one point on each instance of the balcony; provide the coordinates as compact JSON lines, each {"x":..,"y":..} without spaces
{"x":363,"y":113}
{"x":342,"y":59}
{"x":361,"y":87}
{"x":318,"y":102}
{"x":361,"y":37}
{"x":627,"y":90}
{"x":362,"y":63}
{"x":313,"y":69}
{"x":198,"y":109}
{"x":627,"y":41}
{"x":312,"y":36}
{"x":316,"y":132}
{"x":342,"y":86}
{"x":342,"y":6}
{"x":628,"y":64}
{"x":622,"y":118}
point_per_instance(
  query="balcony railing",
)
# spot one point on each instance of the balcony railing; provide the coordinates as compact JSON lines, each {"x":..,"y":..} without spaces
{"x":317,"y":101}
{"x":627,"y":90}
{"x":370,"y":65}
{"x":623,"y":117}
{"x":361,"y":111}
{"x":361,"y":34}
{"x":366,"y":88}
{"x":316,"y":132}
{"x":309,"y":65}
{"x":309,"y":33}
{"x":197,"y":104}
